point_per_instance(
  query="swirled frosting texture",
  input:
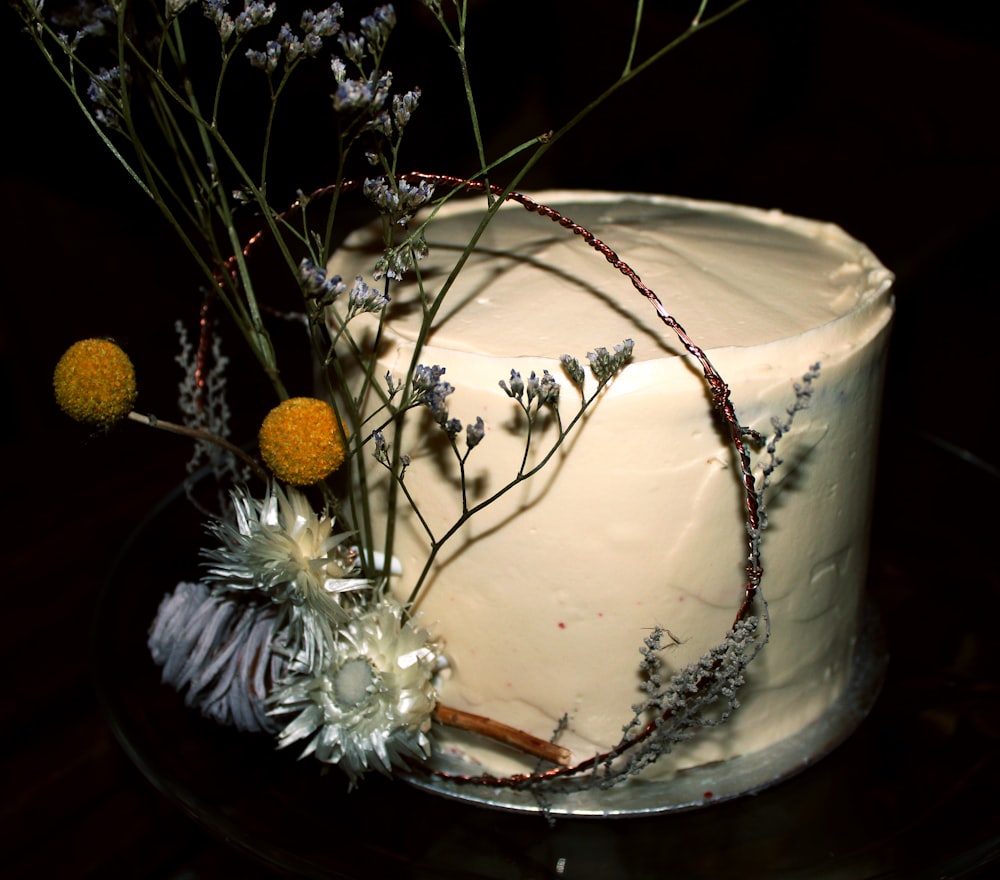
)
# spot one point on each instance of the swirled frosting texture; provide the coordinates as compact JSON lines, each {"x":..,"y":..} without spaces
{"x":545,"y":597}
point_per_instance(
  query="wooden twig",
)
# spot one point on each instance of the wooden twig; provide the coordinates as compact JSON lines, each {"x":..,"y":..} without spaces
{"x":525,"y":742}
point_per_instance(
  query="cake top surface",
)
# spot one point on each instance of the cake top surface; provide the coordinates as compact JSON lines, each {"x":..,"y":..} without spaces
{"x":731,"y":275}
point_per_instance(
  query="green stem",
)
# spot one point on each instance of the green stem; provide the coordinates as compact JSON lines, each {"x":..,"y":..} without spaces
{"x":269,"y":127}
{"x":636,"y":27}
{"x":256,"y":333}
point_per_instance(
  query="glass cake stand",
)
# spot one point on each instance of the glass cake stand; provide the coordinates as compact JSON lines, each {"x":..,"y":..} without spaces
{"x":896,"y":798}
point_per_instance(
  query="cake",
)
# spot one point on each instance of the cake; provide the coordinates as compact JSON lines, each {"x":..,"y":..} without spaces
{"x":543,"y":599}
{"x":616,"y":588}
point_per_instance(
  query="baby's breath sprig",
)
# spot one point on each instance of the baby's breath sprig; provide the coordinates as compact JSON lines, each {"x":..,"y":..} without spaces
{"x":534,"y":395}
{"x":319,"y":290}
{"x":365,"y":300}
{"x":606,"y":363}
{"x":430,"y":390}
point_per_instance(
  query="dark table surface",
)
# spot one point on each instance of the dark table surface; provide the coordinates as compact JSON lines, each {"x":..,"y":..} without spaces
{"x":872,"y":114}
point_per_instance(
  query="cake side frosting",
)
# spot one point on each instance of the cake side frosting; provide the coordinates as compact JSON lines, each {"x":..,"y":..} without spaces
{"x":544,"y":598}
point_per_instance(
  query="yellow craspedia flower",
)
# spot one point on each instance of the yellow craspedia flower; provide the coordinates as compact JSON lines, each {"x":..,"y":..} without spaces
{"x":301,"y":441}
{"x":94,"y":382}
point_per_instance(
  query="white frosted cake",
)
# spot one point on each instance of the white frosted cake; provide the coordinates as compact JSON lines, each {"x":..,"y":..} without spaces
{"x":543,"y":600}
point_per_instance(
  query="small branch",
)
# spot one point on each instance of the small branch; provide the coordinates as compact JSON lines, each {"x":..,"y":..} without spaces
{"x":525,"y":742}
{"x":206,"y":436}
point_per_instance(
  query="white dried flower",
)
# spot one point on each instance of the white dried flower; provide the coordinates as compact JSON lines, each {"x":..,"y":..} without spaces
{"x":282,"y":548}
{"x":370,"y":707}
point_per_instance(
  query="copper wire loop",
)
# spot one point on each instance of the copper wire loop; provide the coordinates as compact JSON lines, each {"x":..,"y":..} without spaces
{"x":722,"y":404}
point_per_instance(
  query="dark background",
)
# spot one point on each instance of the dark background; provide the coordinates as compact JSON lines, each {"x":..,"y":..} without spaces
{"x":876,"y":115}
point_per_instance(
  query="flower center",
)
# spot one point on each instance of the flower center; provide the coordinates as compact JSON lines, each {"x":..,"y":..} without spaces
{"x":352,"y":681}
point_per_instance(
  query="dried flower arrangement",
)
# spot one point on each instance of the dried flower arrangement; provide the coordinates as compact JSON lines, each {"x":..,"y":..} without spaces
{"x":293,"y":629}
